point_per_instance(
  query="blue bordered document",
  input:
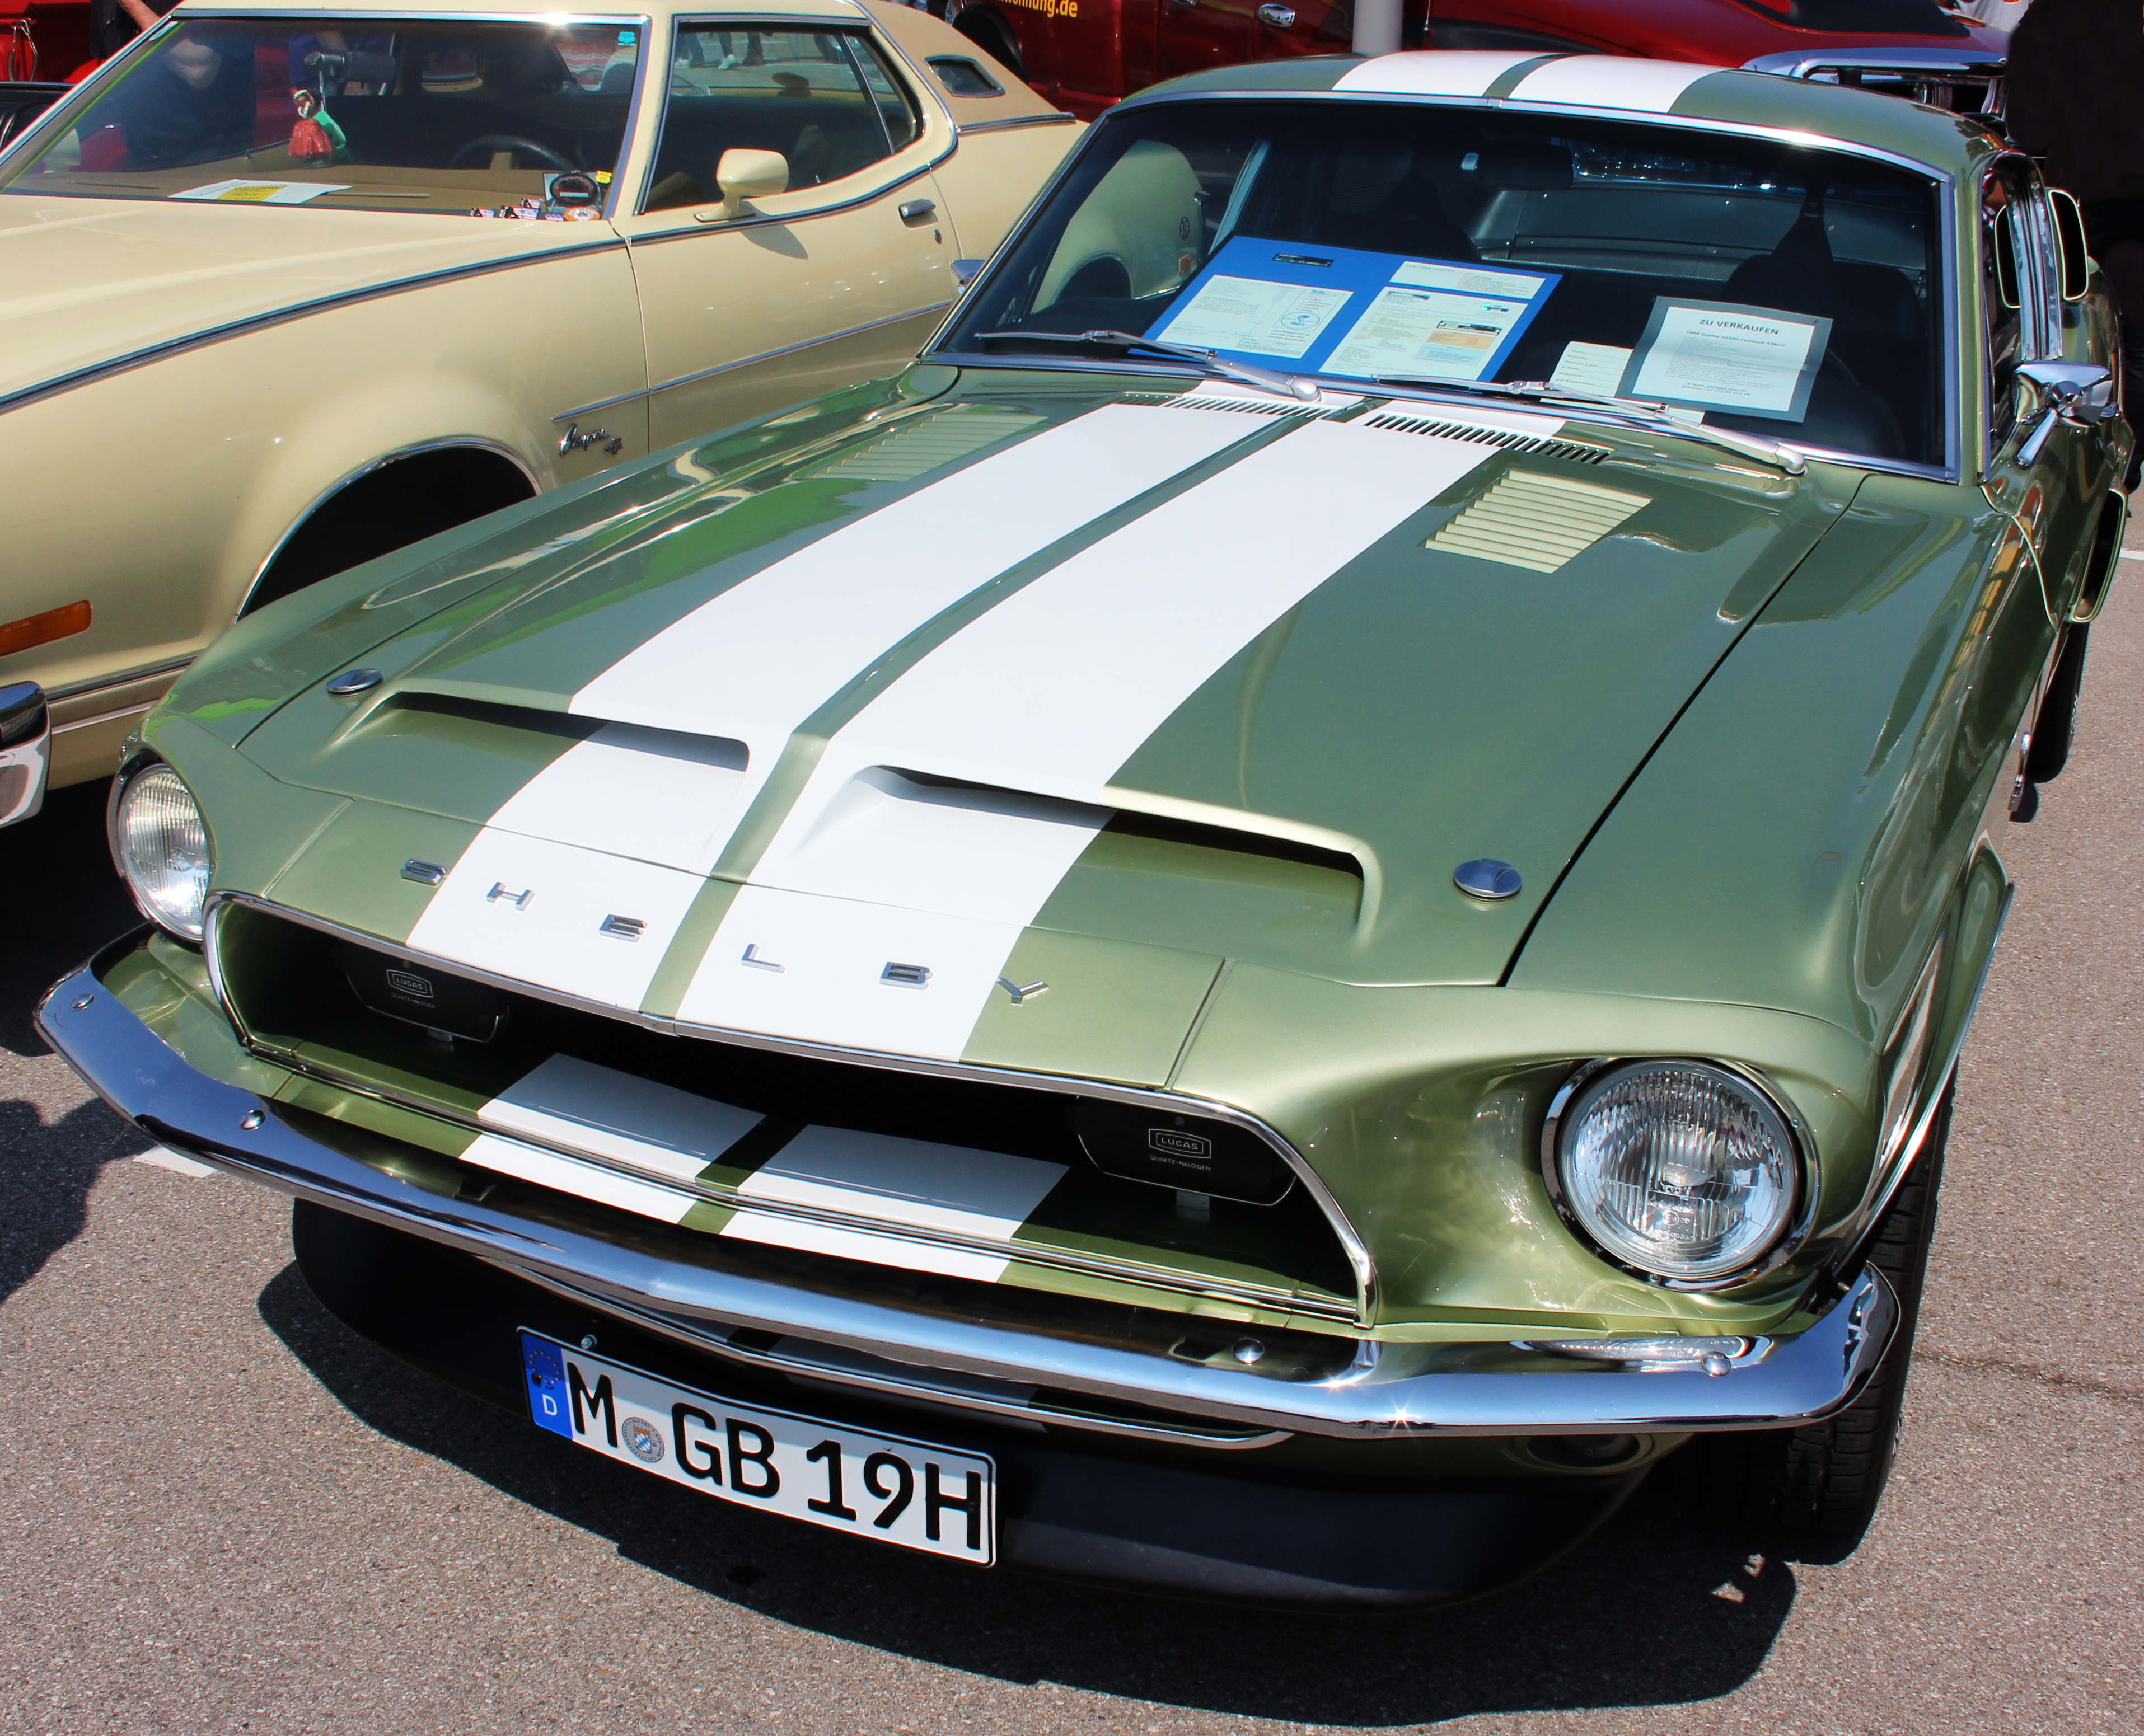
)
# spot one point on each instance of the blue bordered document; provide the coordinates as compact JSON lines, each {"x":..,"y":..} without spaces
{"x":1336,"y":310}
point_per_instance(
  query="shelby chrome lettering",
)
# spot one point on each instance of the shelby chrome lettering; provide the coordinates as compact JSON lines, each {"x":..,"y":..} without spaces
{"x":901,"y":1491}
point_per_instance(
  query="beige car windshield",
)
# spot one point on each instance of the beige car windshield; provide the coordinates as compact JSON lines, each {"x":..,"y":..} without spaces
{"x":371,"y":113}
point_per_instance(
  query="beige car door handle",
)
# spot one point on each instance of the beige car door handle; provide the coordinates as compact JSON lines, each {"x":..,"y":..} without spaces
{"x":918,"y":211}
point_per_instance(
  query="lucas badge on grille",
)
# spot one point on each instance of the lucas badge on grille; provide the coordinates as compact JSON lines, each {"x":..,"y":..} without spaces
{"x":1192,"y":1153}
{"x":419,"y":995}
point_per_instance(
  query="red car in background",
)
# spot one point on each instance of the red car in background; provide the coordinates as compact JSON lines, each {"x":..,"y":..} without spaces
{"x":1086,"y":54}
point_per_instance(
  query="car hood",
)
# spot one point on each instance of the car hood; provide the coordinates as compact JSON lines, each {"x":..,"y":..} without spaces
{"x":1208,"y":675}
{"x":87,"y":283}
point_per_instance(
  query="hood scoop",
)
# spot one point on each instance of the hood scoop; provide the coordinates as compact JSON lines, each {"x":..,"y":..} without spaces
{"x":1538,"y":520}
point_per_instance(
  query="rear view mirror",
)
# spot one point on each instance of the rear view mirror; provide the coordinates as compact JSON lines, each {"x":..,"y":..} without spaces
{"x":2074,"y":255}
{"x":744,"y":175}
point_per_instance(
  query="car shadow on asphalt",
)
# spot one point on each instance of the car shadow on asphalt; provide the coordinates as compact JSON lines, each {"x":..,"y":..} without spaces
{"x":1659,"y":1608}
{"x":64,"y":902}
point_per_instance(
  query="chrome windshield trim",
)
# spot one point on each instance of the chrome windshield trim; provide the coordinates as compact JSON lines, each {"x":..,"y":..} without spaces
{"x":1352,"y":1244}
{"x":1391,"y":1388}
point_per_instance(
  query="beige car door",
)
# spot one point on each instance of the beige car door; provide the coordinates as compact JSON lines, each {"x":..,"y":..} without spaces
{"x":751,"y":306}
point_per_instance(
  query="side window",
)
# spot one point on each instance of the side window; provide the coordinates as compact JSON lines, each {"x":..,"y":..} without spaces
{"x":803,"y":94}
{"x":903,"y":125}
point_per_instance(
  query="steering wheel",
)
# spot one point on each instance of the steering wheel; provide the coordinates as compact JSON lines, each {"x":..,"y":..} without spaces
{"x":491,"y":141}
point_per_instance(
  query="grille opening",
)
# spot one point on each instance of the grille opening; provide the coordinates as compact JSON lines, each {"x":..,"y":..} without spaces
{"x":290,"y":986}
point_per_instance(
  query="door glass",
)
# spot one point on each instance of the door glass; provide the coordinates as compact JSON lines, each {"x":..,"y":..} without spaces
{"x":794,"y":92}
{"x":902,"y":123}
{"x":2005,"y":276}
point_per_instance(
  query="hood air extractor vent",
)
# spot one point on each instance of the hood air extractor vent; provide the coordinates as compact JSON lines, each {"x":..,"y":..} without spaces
{"x":1536,"y":521}
{"x":926,"y":445}
{"x":1570,"y":451}
{"x":1234,"y":406}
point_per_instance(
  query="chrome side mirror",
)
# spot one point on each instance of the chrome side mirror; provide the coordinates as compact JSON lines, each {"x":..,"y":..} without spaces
{"x":965,"y":271}
{"x":2077,"y":393}
{"x":25,"y":742}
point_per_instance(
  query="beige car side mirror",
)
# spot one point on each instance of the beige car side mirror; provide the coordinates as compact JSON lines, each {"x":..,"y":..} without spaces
{"x":744,"y":175}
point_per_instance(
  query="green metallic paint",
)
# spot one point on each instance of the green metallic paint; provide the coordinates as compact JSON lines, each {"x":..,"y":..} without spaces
{"x":681,"y":962}
{"x":1415,"y":703}
{"x":352,"y":872}
{"x":1748,"y":752}
{"x":1111,"y":1010}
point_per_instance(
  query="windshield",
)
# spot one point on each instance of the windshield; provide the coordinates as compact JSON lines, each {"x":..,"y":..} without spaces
{"x":1778,"y":291}
{"x":371,"y":112}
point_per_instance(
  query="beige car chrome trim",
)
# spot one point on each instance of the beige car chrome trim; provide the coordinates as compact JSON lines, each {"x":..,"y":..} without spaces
{"x":83,"y":689}
{"x":832,"y":337}
{"x":1060,"y":118}
{"x":1352,"y":1244}
{"x":283,"y":317}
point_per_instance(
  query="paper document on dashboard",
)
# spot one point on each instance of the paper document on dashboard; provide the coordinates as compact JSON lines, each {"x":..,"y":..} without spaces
{"x":1438,"y":333}
{"x":1255,"y":317}
{"x":1755,"y":361}
{"x":1591,"y":367}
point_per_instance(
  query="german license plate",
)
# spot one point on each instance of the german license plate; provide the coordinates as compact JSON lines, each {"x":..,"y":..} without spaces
{"x":885,"y":1486}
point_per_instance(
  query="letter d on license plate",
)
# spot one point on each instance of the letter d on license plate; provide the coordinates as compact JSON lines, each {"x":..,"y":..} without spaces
{"x":885,"y":1486}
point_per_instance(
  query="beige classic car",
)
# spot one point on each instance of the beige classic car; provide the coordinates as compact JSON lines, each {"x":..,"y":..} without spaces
{"x":283,"y":289}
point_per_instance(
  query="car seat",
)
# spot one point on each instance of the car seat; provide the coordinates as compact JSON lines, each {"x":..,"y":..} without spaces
{"x":1878,"y":331}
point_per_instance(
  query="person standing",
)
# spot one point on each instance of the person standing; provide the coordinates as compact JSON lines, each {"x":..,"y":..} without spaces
{"x":115,"y":23}
{"x":2077,"y":68}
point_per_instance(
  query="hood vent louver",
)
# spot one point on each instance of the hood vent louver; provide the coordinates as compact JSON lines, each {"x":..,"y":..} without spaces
{"x":1536,"y":521}
{"x":1532,"y":445}
{"x":925,"y":445}
{"x":1234,"y":406}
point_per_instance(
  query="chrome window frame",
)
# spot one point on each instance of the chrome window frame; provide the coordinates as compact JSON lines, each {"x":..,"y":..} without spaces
{"x":897,"y":64}
{"x":1942,"y":246}
{"x":2039,"y":307}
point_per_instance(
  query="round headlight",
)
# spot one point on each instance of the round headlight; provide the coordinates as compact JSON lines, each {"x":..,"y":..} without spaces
{"x":1680,"y":1169}
{"x":161,"y":843}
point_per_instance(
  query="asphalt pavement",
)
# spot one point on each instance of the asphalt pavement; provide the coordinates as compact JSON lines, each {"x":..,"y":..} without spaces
{"x":219,"y":1511}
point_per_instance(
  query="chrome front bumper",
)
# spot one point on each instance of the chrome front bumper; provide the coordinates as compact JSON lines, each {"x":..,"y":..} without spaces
{"x":1390,"y":1390}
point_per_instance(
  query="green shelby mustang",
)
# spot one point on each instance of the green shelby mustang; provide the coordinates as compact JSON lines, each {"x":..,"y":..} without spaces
{"x":1302,"y":902}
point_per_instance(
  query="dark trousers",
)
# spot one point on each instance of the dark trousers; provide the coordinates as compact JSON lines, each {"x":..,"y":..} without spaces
{"x":2114,"y":229}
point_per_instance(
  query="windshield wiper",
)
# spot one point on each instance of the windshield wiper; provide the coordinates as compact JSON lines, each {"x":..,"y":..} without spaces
{"x":1643,"y":411}
{"x":1290,"y":385}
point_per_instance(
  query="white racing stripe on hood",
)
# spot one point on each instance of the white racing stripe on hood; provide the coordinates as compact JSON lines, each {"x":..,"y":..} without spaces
{"x":754,"y":662}
{"x":1612,"y":81}
{"x":1050,"y":692}
{"x":741,"y":673}
{"x":537,"y":911}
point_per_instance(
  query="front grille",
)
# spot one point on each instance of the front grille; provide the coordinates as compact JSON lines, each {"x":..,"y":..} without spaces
{"x":1121,"y":1200}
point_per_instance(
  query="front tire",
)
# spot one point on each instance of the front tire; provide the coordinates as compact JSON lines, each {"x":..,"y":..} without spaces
{"x":1825,"y":1479}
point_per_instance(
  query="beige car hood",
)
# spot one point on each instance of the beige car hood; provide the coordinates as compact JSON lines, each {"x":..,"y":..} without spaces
{"x":86,"y":282}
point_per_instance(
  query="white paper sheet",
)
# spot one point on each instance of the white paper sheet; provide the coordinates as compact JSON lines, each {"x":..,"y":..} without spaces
{"x":1256,"y":318}
{"x":260,"y":192}
{"x":1435,"y":332}
{"x":1734,"y":360}
{"x":1590,"y":368}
